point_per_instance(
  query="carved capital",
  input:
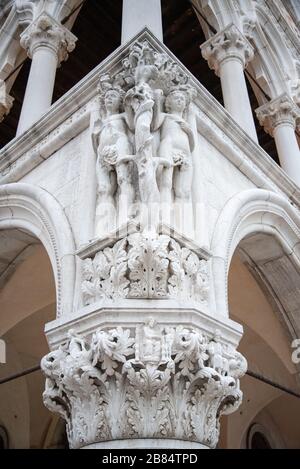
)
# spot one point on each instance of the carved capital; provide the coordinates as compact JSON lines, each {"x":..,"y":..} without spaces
{"x":279,"y":111}
{"x":145,"y":265}
{"x":152,"y":381}
{"x":6,"y":101}
{"x":227,"y":45}
{"x":45,"y":31}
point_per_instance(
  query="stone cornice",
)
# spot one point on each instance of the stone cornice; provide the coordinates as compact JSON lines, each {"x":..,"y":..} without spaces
{"x":91,"y":248}
{"x":70,"y":115}
{"x":135,"y":311}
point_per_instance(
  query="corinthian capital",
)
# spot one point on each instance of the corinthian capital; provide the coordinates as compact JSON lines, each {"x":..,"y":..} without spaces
{"x":279,"y":111}
{"x":227,"y":45}
{"x":151,"y":381}
{"x":6,"y":101}
{"x":45,"y":31}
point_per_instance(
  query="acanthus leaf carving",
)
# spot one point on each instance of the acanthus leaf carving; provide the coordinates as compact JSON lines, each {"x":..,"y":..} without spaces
{"x":145,"y":265}
{"x":281,"y":110}
{"x":154,"y":381}
{"x":227,"y":44}
{"x":46,"y":31}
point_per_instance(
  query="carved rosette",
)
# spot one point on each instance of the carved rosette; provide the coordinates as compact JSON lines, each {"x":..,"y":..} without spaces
{"x":45,"y":31}
{"x":228,"y":44}
{"x":280,"y":111}
{"x":145,"y":265}
{"x":150,"y":382}
{"x":6,"y":101}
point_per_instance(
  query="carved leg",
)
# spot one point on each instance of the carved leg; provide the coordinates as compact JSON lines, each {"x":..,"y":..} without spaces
{"x":126,"y":192}
{"x":165,"y":189}
{"x":105,"y":212}
{"x":184,"y":220}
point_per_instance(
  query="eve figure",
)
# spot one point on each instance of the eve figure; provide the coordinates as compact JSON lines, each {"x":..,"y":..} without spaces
{"x":176,"y":146}
{"x":111,"y":143}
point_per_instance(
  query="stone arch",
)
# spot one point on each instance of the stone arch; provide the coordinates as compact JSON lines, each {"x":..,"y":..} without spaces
{"x":36,"y":211}
{"x":248,"y":213}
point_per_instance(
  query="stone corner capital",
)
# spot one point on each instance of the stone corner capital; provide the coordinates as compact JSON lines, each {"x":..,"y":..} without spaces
{"x":228,"y":44}
{"x":279,"y":111}
{"x":136,"y":382}
{"x":45,"y":31}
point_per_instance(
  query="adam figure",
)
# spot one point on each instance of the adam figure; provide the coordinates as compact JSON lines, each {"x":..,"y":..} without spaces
{"x":111,"y":142}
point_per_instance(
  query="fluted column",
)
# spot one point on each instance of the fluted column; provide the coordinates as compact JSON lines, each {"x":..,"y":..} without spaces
{"x":47,"y":43}
{"x":139,"y":13}
{"x":228,"y":53}
{"x":6,"y":101}
{"x":279,"y":118}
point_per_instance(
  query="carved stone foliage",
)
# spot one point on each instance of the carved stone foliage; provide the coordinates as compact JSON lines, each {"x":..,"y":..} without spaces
{"x":229,"y":43}
{"x":281,"y":110}
{"x":145,"y":265}
{"x":46,"y":31}
{"x":142,"y":133}
{"x":151,"y":382}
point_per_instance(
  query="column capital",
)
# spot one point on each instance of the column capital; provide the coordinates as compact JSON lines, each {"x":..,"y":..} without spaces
{"x":150,"y":381}
{"x":227,"y":44}
{"x":45,"y":31}
{"x":6,"y":101}
{"x":279,"y":111}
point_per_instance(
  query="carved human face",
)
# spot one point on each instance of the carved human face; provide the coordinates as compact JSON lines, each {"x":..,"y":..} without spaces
{"x":176,"y":102}
{"x":112,"y":101}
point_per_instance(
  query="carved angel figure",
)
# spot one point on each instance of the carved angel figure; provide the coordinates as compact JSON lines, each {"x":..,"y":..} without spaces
{"x":111,"y":143}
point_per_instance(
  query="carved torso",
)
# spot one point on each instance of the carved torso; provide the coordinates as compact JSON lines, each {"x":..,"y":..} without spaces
{"x":113,"y":131}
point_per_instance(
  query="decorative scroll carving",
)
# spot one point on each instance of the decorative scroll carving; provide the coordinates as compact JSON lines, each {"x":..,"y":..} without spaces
{"x":145,"y":265}
{"x":145,"y":135}
{"x":154,"y":382}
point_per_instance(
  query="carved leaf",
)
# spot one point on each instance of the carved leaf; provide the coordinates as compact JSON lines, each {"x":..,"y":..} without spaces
{"x":202,"y":282}
{"x":117,"y":254}
{"x":104,"y":390}
{"x":88,"y":270}
{"x":148,"y":264}
{"x":90,"y":291}
{"x":102,"y":265}
{"x":191,"y":262}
